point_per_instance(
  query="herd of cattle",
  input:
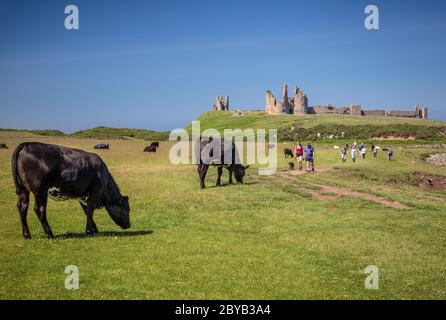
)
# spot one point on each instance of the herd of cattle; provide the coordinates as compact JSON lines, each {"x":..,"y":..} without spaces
{"x":152,"y":148}
{"x":63,"y":173}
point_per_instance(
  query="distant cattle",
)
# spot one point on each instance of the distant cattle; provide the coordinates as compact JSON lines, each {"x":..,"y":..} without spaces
{"x":208,"y":158}
{"x":288,"y":153}
{"x":152,"y":148}
{"x":105,"y":146}
{"x":65,"y":173}
{"x":3,"y":146}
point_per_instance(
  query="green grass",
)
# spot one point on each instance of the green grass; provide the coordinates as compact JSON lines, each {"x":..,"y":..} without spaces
{"x":261,"y":240}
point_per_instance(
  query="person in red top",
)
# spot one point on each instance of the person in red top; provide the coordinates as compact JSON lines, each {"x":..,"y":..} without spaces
{"x":299,"y":154}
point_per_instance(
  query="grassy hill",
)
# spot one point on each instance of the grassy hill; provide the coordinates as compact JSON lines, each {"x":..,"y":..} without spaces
{"x":121,"y":133}
{"x":34,"y":132}
{"x":94,"y":133}
{"x":322,"y":127}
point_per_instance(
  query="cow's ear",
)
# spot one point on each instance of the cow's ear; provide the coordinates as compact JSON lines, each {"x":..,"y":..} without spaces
{"x":247,"y":166}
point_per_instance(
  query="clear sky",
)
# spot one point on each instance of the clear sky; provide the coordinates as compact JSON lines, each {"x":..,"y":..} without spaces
{"x":160,"y":64}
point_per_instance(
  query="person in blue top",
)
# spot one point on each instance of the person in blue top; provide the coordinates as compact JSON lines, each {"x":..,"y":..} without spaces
{"x":309,"y":157}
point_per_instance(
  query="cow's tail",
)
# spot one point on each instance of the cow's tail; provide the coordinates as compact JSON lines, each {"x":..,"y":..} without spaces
{"x":19,"y":186}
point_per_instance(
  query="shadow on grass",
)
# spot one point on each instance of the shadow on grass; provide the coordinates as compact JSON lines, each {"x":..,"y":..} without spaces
{"x":71,"y":235}
{"x":223,"y":185}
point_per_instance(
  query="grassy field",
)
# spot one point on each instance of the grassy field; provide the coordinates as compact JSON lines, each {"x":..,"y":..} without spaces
{"x":275,"y":237}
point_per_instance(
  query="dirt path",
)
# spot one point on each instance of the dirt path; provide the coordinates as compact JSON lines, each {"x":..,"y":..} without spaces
{"x":304,"y":171}
{"x":336,"y":192}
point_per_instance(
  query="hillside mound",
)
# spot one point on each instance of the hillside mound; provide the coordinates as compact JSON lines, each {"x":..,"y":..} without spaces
{"x":121,"y":133}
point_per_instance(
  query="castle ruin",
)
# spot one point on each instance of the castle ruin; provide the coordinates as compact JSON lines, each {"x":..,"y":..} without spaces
{"x":294,"y":105}
{"x":221,"y":103}
{"x":298,"y":105}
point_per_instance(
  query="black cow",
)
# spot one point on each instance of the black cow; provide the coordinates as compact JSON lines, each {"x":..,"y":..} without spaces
{"x":152,"y":148}
{"x":104,"y":146}
{"x":65,"y":173}
{"x":207,"y":158}
{"x":3,"y":146}
{"x":288,"y":153}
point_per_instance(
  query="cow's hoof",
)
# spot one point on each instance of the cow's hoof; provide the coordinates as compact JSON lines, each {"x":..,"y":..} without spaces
{"x":50,"y":236}
{"x":202,"y":187}
{"x":92,"y":233}
{"x":27,"y":236}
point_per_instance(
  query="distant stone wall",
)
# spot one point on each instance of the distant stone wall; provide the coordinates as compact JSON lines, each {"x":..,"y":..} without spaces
{"x":402,"y":114}
{"x":376,"y":113}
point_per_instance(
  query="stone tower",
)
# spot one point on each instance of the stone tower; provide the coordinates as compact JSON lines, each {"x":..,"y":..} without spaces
{"x":221,"y":103}
{"x":300,"y":102}
{"x":270,"y":102}
{"x":285,"y":105}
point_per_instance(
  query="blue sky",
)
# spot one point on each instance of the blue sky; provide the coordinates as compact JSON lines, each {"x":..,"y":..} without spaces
{"x":160,"y":64}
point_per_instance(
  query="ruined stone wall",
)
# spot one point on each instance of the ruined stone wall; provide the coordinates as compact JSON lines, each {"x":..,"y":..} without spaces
{"x":298,"y":105}
{"x":300,"y":102}
{"x":354,"y":110}
{"x":328,"y":109}
{"x":271,"y":103}
{"x":402,"y":114}
{"x":376,"y":113}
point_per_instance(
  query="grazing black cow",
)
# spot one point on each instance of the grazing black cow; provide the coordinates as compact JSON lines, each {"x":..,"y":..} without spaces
{"x":103,"y":146}
{"x":3,"y":146}
{"x":288,"y":153}
{"x":152,"y":147}
{"x":65,"y":173}
{"x":207,"y":158}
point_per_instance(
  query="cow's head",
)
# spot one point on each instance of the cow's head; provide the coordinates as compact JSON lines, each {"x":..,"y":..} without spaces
{"x":239,"y":172}
{"x":120,"y":212}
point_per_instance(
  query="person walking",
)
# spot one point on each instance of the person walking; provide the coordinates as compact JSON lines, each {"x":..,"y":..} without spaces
{"x":354,"y":152}
{"x":363,"y":151}
{"x":390,"y":153}
{"x":375,"y":151}
{"x":299,"y":155}
{"x":344,"y":153}
{"x":309,"y":157}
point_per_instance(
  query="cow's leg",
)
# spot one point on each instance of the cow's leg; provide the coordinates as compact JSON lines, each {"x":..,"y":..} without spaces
{"x":231,"y":170}
{"x":220,"y":172}
{"x":91,"y":227}
{"x":22,"y":206}
{"x":41,"y":200}
{"x":203,"y":171}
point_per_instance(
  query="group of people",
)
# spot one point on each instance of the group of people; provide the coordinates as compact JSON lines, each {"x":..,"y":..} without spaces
{"x":362,"y":151}
{"x":308,"y":153}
